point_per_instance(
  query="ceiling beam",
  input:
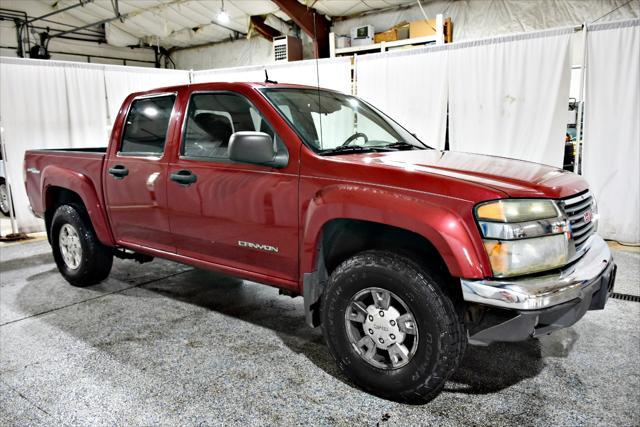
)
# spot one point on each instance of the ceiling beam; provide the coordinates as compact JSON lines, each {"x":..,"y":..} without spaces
{"x":121,"y":17}
{"x":311,"y":22}
{"x":266,"y":31}
{"x":57,"y":11}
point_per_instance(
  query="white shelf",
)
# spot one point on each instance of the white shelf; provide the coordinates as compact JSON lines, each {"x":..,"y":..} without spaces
{"x":437,"y":38}
{"x":381,"y":47}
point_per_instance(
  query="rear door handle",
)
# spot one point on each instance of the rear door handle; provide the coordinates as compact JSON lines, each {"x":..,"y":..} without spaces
{"x":184,"y":177}
{"x":119,"y":171}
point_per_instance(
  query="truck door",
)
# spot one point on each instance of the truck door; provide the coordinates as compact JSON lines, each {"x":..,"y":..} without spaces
{"x":239,"y":215}
{"x":135,"y":179}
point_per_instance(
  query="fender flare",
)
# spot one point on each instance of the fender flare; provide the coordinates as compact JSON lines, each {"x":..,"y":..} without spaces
{"x":443,"y":223}
{"x":80,"y":184}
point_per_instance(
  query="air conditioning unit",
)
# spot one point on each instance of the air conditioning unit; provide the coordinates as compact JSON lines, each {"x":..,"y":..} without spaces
{"x":287,"y":49}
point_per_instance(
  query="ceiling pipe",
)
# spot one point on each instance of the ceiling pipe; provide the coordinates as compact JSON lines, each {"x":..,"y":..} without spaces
{"x":75,"y":30}
{"x":64,"y":9}
{"x":119,"y":16}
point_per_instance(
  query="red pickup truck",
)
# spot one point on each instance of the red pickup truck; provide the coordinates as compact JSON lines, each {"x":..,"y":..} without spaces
{"x":403,"y":253}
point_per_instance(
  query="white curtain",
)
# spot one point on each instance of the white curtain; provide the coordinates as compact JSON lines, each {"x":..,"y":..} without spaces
{"x":333,"y":73}
{"x":611,"y":160}
{"x":120,"y":82}
{"x":411,"y":87}
{"x":35,"y":114}
{"x":508,"y":96}
{"x":86,"y":105}
{"x":49,"y":104}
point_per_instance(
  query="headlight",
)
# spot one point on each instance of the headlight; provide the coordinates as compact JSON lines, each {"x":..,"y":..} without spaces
{"x":516,"y":257}
{"x":524,"y":236}
{"x":517,"y":210}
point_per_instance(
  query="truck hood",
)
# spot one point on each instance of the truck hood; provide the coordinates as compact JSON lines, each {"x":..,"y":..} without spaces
{"x":515,"y":178}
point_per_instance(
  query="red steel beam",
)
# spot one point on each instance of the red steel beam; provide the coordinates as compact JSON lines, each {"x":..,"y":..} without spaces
{"x":304,"y":17}
{"x":263,"y":29}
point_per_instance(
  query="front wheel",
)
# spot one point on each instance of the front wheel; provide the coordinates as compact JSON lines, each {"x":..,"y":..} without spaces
{"x":80,"y":257}
{"x":391,"y":328}
{"x":4,"y":198}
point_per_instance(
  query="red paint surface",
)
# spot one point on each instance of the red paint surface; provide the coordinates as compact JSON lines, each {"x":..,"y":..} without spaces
{"x":429,"y":192}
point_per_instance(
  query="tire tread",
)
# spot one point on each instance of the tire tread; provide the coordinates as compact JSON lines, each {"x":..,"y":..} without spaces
{"x":453,"y":338}
{"x":97,"y":258}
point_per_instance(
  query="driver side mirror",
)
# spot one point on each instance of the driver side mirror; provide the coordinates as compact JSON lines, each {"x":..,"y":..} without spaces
{"x":256,"y":148}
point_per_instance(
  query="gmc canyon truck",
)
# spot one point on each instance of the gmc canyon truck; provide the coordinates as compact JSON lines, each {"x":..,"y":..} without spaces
{"x":401,"y":252}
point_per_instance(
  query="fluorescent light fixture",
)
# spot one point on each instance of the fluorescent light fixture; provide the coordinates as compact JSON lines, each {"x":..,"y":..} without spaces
{"x":223,"y":17}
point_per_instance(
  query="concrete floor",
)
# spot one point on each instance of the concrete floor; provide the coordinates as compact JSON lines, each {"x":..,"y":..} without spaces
{"x":5,"y":225}
{"x":165,"y":344}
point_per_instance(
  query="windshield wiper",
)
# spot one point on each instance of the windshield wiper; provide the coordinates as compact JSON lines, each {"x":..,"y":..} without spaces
{"x":355,"y":149}
{"x":402,"y":145}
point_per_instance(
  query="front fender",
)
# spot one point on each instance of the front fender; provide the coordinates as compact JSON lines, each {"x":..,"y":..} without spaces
{"x":82,"y":185}
{"x":444,"y":221}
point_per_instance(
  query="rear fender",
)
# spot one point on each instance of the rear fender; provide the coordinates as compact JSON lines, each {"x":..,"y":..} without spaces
{"x":55,"y":176}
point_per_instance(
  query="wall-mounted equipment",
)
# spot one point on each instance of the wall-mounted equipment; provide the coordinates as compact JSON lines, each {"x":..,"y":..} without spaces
{"x":287,"y":49}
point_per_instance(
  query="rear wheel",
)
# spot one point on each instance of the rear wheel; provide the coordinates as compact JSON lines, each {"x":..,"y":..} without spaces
{"x":80,"y":257}
{"x":391,"y":328}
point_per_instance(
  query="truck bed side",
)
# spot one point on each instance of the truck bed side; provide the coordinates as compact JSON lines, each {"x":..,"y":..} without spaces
{"x":52,"y":176}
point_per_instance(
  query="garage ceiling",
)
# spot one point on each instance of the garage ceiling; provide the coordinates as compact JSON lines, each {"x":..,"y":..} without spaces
{"x":182,"y":23}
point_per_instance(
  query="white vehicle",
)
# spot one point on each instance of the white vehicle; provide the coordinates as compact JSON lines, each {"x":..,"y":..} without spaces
{"x":4,"y":192}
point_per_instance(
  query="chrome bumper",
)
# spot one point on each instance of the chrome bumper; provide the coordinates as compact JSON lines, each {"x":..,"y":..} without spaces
{"x":535,"y":293}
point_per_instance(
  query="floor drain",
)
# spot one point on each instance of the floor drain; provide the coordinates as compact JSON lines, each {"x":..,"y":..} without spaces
{"x":625,"y":297}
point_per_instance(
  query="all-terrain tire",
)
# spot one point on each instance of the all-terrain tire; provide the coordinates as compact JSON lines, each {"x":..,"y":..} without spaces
{"x":441,"y":332}
{"x":95,"y":259}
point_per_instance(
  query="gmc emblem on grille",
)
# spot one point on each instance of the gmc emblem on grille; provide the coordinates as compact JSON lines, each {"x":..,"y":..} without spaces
{"x":588,"y":216}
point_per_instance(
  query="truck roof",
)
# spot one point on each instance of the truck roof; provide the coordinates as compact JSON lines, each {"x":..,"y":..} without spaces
{"x":226,"y":85}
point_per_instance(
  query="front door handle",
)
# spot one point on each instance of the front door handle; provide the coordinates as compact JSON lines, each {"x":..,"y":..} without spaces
{"x":184,"y":177}
{"x":119,"y":171}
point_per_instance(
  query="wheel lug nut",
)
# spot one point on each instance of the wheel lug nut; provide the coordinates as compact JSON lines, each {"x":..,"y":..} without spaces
{"x":381,"y":340}
{"x":371,"y":331}
{"x":371,"y":318}
{"x":392,"y":322}
{"x":393,"y":337}
{"x":381,"y":313}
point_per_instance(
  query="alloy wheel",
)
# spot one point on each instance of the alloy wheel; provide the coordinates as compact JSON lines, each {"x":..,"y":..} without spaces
{"x":70,"y":247}
{"x":381,"y":328}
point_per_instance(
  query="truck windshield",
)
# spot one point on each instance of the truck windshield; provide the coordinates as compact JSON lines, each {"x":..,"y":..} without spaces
{"x":334,"y":123}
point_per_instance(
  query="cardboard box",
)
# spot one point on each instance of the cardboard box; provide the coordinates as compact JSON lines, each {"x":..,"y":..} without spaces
{"x":385,"y":36}
{"x":426,"y":28}
{"x":448,"y":30}
{"x":422,"y":28}
{"x":399,"y":32}
{"x":403,"y":31}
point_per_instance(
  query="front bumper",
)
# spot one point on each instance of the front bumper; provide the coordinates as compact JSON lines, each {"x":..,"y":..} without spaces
{"x":542,"y":304}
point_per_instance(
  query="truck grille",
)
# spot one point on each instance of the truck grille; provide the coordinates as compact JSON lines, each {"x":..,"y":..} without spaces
{"x":579,"y":209}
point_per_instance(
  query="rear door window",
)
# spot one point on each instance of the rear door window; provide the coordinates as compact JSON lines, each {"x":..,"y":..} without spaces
{"x":145,"y":130}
